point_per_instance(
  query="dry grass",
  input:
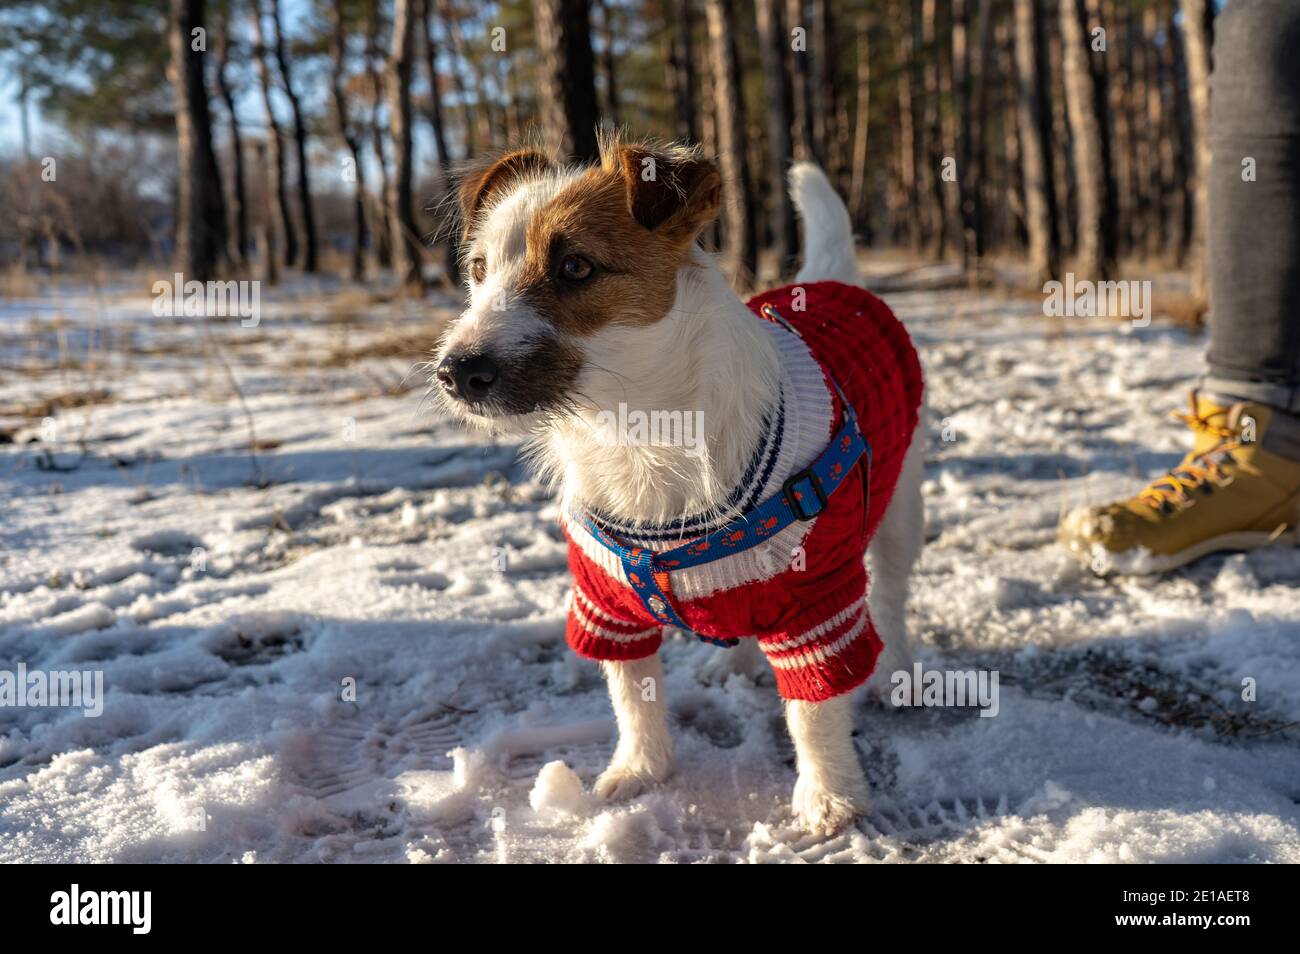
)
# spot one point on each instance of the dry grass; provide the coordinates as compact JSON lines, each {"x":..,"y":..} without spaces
{"x":50,"y":405}
{"x":393,"y":345}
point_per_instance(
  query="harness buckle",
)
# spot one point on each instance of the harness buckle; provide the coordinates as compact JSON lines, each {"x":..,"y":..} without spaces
{"x":792,"y":494}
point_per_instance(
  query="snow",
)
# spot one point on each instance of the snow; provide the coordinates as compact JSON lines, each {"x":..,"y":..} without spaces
{"x":351,"y":649}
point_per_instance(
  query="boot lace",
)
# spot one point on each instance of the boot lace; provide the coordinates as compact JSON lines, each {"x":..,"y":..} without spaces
{"x":1197,"y":472}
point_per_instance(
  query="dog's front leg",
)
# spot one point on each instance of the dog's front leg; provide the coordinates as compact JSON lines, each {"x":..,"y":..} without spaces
{"x":830,"y":790}
{"x":644,"y":753}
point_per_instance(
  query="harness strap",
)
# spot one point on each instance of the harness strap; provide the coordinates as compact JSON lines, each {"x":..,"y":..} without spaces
{"x":802,"y":497}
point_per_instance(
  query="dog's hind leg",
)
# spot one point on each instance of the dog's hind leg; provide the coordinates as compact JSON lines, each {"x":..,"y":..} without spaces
{"x":644,"y":753}
{"x":894,"y":551}
{"x":743,"y":659}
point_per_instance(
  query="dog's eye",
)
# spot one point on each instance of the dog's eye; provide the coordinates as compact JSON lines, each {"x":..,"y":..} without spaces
{"x":575,"y":268}
{"x":478,"y":270}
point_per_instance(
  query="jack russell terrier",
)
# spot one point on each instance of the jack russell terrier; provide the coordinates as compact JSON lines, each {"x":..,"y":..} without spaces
{"x":589,"y":298}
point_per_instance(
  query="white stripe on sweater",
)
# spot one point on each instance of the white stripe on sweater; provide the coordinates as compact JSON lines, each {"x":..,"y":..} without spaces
{"x":594,"y":610}
{"x":596,"y":630}
{"x":809,"y":635}
{"x":819,"y":654}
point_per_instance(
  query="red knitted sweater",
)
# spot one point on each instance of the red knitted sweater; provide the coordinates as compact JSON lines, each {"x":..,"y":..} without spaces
{"x":803,"y":594}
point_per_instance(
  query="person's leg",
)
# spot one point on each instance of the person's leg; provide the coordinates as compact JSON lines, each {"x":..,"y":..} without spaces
{"x":1254,"y":228}
{"x":1239,"y":487}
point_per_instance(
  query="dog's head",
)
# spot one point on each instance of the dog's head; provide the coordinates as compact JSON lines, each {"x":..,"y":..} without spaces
{"x":559,"y":262}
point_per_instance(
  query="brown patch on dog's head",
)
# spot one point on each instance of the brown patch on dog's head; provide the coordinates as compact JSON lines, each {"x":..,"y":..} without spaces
{"x":608,"y":247}
{"x":481,"y":182}
{"x":582,"y":249}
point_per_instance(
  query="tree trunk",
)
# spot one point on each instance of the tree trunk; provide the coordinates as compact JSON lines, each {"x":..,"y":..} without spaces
{"x":383,"y":227}
{"x":468,"y":117}
{"x":1009,"y":201}
{"x":711,"y":237}
{"x":971,"y":66}
{"x":1102,"y":65}
{"x":825,"y":129}
{"x":488,"y":123}
{"x":930,"y":185}
{"x":1161,"y":154}
{"x":275,"y":149}
{"x":566,"y":84}
{"x":1035,"y":121}
{"x":451,"y":264}
{"x":1062,"y":171}
{"x":1184,"y":139}
{"x":902,"y":28}
{"x":741,"y":242}
{"x":352,"y":139}
{"x":300,"y":142}
{"x":1086,"y":133}
{"x":239,"y":213}
{"x":1127,"y":138}
{"x":801,"y":85}
{"x":1196,"y":27}
{"x":683,"y":71}
{"x":405,"y":240}
{"x":200,"y":211}
{"x":266,"y":227}
{"x":773,"y":45}
{"x":1166,"y":132}
{"x":607,"y":62}
{"x":862,"y":123}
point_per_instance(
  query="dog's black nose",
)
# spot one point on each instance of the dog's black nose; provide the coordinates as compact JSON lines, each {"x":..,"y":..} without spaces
{"x":468,"y":377}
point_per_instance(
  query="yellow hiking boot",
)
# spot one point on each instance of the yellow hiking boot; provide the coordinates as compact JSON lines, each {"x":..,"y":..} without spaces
{"x":1238,"y":489}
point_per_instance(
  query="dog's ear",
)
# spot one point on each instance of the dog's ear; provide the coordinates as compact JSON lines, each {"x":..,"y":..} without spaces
{"x":479,"y":183}
{"x":672,"y":190}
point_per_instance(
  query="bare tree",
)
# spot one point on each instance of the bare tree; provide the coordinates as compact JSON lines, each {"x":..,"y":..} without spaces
{"x":451,"y":265}
{"x":470,"y":118}
{"x":300,"y":142}
{"x":405,"y":238}
{"x":239,"y":243}
{"x":797,"y":24}
{"x":1035,"y":139}
{"x":1196,"y":28}
{"x":681,"y":64}
{"x":383,"y":227}
{"x":930,"y":183}
{"x":862,"y":123}
{"x":351,"y":137}
{"x":772,"y":41}
{"x":1086,"y":129}
{"x":824,"y":87}
{"x":200,"y":211}
{"x":607,"y":61}
{"x":566,"y":84}
{"x":971,"y":67}
{"x":905,"y":207}
{"x":740,"y":236}
{"x":279,"y":192}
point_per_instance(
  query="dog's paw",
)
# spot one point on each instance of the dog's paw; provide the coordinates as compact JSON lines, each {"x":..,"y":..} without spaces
{"x":618,"y":783}
{"x":820,"y":811}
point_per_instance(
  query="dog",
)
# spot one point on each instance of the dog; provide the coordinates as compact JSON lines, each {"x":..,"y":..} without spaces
{"x":590,"y":297}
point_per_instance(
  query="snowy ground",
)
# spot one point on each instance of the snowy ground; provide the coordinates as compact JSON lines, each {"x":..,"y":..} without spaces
{"x":227,"y":617}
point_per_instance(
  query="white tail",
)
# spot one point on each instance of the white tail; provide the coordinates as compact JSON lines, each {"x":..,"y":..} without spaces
{"x":827,"y":232}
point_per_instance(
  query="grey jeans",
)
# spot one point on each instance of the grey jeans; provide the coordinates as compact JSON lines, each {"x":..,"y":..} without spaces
{"x":1254,"y":224}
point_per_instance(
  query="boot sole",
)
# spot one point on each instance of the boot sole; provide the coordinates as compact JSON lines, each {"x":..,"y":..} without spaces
{"x":1145,"y":563}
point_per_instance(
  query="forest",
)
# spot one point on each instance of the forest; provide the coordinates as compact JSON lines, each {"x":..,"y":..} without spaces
{"x":324,"y":610}
{"x":268,"y":136}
